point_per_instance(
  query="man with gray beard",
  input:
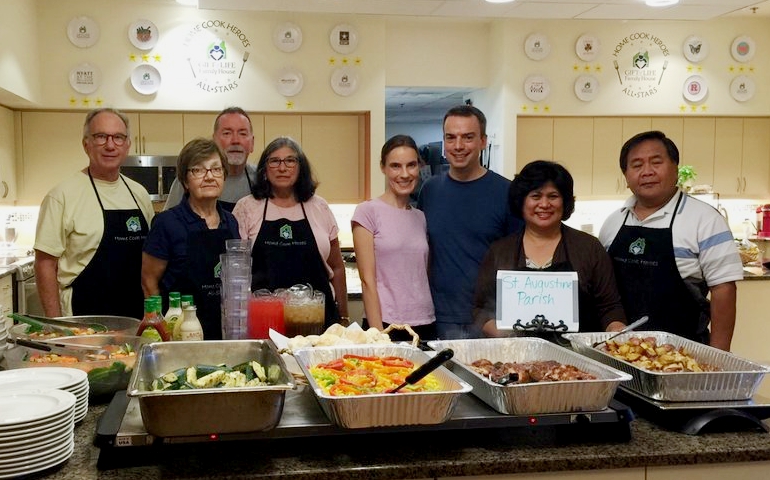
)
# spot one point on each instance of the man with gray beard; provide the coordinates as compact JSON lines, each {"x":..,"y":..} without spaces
{"x":234,"y":136}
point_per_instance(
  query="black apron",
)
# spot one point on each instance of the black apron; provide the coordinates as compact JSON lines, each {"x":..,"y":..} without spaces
{"x":201,"y":280}
{"x":650,"y":283}
{"x":111,"y":283}
{"x":588,"y":313}
{"x":229,"y":206}
{"x":285,"y":253}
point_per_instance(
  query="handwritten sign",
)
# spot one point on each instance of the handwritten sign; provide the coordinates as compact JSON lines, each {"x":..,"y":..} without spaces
{"x":523,"y":295}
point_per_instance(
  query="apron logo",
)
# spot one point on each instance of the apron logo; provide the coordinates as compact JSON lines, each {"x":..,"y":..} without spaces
{"x":133,"y":225}
{"x":285,"y":232}
{"x":637,"y":248}
{"x":218,"y":270}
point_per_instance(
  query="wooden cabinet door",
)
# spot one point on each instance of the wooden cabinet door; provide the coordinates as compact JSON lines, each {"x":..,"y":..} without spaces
{"x":634,"y":125}
{"x":197,"y":125}
{"x":673,"y":127}
{"x":756,"y":156}
{"x":728,"y":151}
{"x":697,"y":148}
{"x":608,"y":138}
{"x":573,"y":146}
{"x":335,"y":146}
{"x":289,"y":125}
{"x":48,"y":162}
{"x":7,"y":157}
{"x":161,"y":133}
{"x":534,"y":140}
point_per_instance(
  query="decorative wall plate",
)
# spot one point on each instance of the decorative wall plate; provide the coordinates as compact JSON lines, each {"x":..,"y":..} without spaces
{"x":344,"y":81}
{"x":143,"y":34}
{"x":743,"y":49}
{"x":742,"y":88}
{"x":537,"y":88}
{"x":145,"y":79}
{"x":85,"y":78}
{"x":289,"y":82}
{"x":695,"y":48}
{"x":536,"y":46}
{"x":695,"y":88}
{"x":587,"y":48}
{"x":287,"y":37}
{"x":83,"y":32}
{"x":344,"y":38}
{"x":586,"y":87}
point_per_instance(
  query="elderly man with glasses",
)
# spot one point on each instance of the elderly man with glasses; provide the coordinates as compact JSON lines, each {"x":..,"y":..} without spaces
{"x":91,"y":228}
{"x":181,"y":253}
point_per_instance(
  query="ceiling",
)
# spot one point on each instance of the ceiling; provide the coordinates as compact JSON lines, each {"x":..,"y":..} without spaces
{"x":425,"y":105}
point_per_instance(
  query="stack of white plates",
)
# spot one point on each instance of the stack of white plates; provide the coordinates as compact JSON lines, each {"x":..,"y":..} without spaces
{"x":40,"y":378}
{"x":36,"y":430}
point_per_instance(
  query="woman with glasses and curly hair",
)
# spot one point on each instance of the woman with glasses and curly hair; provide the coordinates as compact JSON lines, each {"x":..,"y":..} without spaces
{"x":293,"y":230}
{"x":183,"y":247}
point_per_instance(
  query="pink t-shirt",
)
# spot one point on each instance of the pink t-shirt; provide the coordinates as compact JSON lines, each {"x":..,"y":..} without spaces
{"x":401,"y":261}
{"x":248,"y":211}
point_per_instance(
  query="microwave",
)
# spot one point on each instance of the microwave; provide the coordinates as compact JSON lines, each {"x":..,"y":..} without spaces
{"x":156,"y":173}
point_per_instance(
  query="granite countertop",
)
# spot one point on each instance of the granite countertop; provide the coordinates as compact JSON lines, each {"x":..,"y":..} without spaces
{"x":755,"y":273}
{"x":407,"y":455}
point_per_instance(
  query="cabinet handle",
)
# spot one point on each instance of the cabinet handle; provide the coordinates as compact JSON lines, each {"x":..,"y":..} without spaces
{"x":144,"y":146}
{"x":739,"y":184}
{"x":744,"y":184}
{"x":5,"y":189}
{"x":136,"y":144}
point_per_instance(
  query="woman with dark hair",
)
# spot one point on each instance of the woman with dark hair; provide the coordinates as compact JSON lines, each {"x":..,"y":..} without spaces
{"x":542,"y":196}
{"x":293,"y":231}
{"x":391,"y":242}
{"x":182,"y":249}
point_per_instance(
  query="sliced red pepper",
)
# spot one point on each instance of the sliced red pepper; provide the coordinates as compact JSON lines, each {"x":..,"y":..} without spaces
{"x":337,"y":364}
{"x":360,"y":357}
{"x":397,"y":362}
{"x":360,"y":378}
{"x":340,"y":390}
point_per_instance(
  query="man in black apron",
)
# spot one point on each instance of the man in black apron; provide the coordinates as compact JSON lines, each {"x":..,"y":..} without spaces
{"x":645,"y":258}
{"x":285,"y":253}
{"x":107,"y":282}
{"x":233,"y":134}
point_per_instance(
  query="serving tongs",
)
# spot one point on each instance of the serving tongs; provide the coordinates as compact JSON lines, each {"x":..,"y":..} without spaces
{"x":81,"y":352}
{"x":628,"y":328}
{"x":59,"y":324}
{"x":424,"y":369}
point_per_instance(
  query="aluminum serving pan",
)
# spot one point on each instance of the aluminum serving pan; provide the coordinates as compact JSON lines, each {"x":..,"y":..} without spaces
{"x":381,"y":410}
{"x":208,"y":410}
{"x":738,"y":379}
{"x":533,"y":398}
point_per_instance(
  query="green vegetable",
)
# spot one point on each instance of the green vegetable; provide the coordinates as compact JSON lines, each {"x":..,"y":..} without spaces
{"x":686,"y":173}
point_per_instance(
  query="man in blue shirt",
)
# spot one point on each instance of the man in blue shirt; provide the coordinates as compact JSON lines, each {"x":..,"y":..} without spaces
{"x":466,"y":210}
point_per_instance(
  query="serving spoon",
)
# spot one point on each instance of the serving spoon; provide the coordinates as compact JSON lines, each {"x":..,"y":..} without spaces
{"x":628,"y":328}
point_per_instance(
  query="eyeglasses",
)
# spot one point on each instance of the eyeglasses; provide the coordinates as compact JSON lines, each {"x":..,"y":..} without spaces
{"x":118,"y":139}
{"x":200,"y":172}
{"x":275,"y":162}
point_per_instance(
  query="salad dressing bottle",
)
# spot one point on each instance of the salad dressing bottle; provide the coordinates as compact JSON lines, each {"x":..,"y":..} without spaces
{"x":187,"y":301}
{"x":191,"y":328}
{"x":174,"y":312}
{"x":152,"y":325}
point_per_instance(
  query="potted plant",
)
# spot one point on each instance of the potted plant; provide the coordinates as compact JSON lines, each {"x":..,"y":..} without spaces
{"x":686,"y":176}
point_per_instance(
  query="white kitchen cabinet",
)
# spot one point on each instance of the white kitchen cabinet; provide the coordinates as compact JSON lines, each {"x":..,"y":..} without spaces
{"x":7,"y":157}
{"x":697,"y":148}
{"x":574,"y":149}
{"x":742,"y":157}
{"x":755,"y":164}
{"x":156,"y":133}
{"x":534,"y":140}
{"x":286,"y":125}
{"x":6,"y":298}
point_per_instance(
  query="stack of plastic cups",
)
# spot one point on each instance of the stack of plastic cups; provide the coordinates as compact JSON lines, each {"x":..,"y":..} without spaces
{"x":236,"y":288}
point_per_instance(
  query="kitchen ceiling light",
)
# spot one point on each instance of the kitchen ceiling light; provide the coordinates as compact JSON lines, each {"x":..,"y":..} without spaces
{"x":660,"y":3}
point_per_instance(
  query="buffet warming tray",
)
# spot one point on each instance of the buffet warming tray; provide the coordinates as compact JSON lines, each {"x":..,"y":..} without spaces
{"x":533,"y":398}
{"x":737,"y":378}
{"x":403,"y":408}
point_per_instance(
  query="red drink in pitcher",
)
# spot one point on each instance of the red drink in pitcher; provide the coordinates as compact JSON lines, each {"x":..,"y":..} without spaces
{"x":265,"y":312}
